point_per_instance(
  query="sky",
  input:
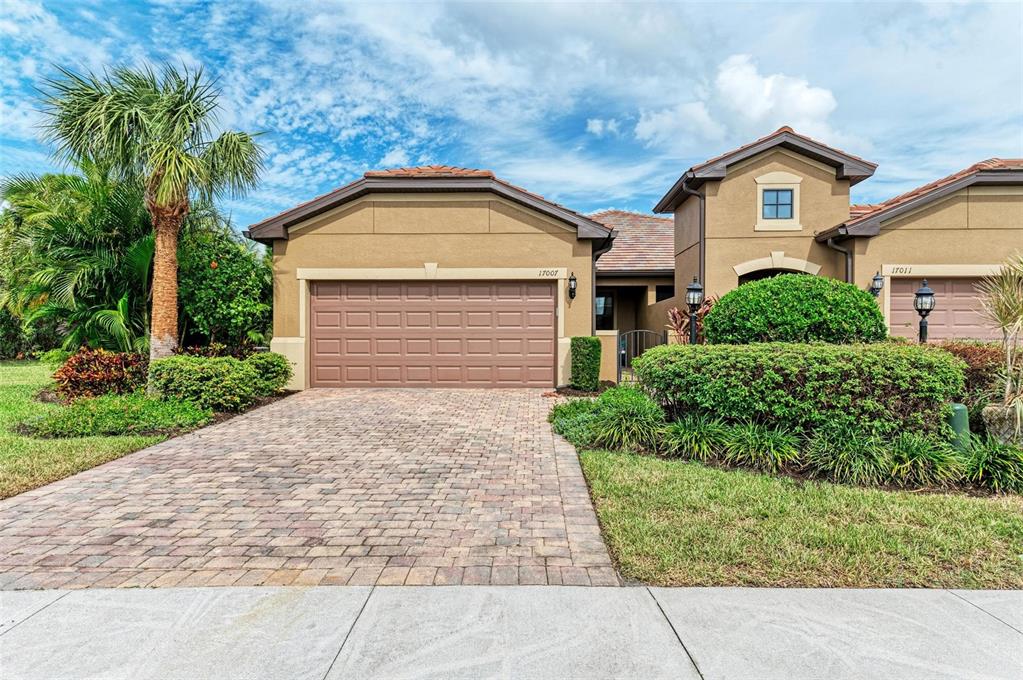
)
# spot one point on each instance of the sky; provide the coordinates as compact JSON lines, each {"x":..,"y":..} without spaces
{"x":595,"y":106}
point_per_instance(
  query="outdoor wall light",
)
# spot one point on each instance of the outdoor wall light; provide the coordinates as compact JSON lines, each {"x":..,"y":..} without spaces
{"x":876,"y":284}
{"x":694,"y":298}
{"x":923,"y":303}
{"x":573,"y":285}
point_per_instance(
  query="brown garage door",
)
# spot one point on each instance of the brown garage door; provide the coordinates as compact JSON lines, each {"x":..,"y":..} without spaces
{"x":439,"y":334}
{"x":957,"y":311}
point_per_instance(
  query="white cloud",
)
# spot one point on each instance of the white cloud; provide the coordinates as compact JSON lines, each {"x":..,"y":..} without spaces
{"x":688,"y":122}
{"x":600,"y":127}
{"x":395,"y":158}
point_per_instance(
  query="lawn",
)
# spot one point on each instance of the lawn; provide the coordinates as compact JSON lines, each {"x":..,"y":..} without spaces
{"x":25,"y":462}
{"x":677,"y":523}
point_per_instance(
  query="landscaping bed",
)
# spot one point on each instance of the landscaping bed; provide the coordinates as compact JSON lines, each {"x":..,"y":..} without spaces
{"x":97,"y":411}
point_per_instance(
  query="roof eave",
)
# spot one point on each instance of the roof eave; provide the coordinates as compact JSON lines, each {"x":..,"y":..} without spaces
{"x":870,"y":225}
{"x":277,"y":227}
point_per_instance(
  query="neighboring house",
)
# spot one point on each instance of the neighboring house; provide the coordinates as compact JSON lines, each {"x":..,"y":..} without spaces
{"x":781,"y":204}
{"x":441,"y":276}
{"x":433,"y":276}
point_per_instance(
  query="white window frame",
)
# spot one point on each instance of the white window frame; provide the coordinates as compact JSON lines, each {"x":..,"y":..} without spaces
{"x":773,"y":181}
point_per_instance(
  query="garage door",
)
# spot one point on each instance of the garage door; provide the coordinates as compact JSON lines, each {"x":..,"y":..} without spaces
{"x":957,"y":312}
{"x":432,"y":334}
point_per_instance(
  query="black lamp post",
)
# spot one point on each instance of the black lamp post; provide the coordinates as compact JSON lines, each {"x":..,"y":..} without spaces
{"x":573,"y":285}
{"x":923,"y":303}
{"x":694,"y":298}
{"x":876,"y":284}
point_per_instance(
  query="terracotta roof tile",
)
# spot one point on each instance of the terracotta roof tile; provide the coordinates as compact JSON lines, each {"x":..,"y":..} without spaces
{"x":431,"y":172}
{"x":781,"y":130}
{"x":643,"y":243}
{"x":989,"y":164}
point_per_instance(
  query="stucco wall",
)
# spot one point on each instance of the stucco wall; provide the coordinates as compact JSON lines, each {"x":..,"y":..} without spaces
{"x":450,"y":230}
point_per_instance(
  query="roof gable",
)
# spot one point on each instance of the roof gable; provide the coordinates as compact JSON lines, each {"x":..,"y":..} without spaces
{"x":865,"y":220}
{"x":430,"y":178}
{"x":847,"y":166}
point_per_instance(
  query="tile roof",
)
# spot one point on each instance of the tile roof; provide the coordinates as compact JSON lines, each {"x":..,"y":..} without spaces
{"x":431,"y":171}
{"x":989,"y":164}
{"x":782,"y":130}
{"x":643,"y":243}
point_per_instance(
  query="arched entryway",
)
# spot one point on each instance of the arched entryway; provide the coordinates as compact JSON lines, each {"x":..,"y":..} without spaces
{"x":758,"y":274}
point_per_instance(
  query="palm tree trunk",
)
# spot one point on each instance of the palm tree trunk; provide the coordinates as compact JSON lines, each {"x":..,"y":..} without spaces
{"x":163,"y":329}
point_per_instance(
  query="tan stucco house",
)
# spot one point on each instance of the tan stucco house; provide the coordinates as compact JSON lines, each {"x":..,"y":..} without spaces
{"x":442,"y":276}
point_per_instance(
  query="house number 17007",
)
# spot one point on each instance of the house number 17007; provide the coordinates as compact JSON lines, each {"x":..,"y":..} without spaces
{"x":549,"y":272}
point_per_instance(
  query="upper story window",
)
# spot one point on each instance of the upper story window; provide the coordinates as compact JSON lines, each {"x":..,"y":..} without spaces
{"x":777,"y":204}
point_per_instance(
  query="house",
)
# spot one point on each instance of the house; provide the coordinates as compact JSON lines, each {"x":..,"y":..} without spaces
{"x":431,"y":276}
{"x":443,"y":276}
{"x":781,"y":204}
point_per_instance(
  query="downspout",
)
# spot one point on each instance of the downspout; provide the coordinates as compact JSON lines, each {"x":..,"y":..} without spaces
{"x":703,"y":235}
{"x":597,"y":252}
{"x":848,"y":257}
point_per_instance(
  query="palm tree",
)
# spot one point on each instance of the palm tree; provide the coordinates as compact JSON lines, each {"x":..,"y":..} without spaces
{"x":159,"y":127}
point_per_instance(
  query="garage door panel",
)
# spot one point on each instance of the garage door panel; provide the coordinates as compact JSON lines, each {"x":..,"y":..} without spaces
{"x":459,"y":334}
{"x":957,"y":312}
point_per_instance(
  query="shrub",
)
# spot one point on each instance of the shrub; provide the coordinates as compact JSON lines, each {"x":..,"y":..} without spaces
{"x":983,"y":366}
{"x":220,"y":383}
{"x":586,"y":363}
{"x":93,"y":372}
{"x":53,"y":358}
{"x":760,"y":447}
{"x":694,"y":436}
{"x":994,"y":465}
{"x":118,"y":414}
{"x":919,"y":460}
{"x":847,"y":455}
{"x":217,"y":349}
{"x":274,"y":372}
{"x":574,"y":420}
{"x":881,"y":388}
{"x":795,"y":308}
{"x":626,"y":419}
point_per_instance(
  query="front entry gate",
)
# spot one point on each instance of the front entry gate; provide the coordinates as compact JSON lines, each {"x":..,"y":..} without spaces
{"x":633,"y":343}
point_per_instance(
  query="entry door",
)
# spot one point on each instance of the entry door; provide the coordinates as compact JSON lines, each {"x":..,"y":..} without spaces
{"x":432,"y":334}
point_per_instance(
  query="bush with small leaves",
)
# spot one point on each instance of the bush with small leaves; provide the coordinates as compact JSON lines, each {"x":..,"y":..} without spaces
{"x":574,"y":420}
{"x":760,"y":447}
{"x":220,"y":383}
{"x":118,"y":414}
{"x":585,"y":351}
{"x":694,"y":436}
{"x":274,"y":372}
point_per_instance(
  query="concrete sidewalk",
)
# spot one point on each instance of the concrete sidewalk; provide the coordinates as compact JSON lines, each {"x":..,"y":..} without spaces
{"x":510,"y":632}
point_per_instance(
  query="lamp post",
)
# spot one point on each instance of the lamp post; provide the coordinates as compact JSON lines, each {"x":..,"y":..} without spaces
{"x":694,"y":298}
{"x":876,"y":284}
{"x":923,"y":303}
{"x":573,"y":285}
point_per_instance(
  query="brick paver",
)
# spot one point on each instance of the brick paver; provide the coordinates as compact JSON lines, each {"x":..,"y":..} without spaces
{"x":326,"y":487}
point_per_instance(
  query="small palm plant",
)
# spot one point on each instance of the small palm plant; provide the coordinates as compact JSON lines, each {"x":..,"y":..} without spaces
{"x":1002,"y":302}
{"x":161,"y":129}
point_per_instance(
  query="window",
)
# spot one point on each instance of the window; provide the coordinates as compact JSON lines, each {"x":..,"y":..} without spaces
{"x":777,"y":204}
{"x":663,"y":293}
{"x":605,"y":312}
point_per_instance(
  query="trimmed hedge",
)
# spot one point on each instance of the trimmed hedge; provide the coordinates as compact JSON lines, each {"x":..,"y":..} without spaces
{"x":795,"y":308}
{"x":879,"y":388}
{"x":93,"y":372}
{"x":586,"y":363}
{"x":219,"y":383}
{"x":274,"y":372}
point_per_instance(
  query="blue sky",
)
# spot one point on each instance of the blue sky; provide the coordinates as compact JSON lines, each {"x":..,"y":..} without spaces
{"x":592,"y":105}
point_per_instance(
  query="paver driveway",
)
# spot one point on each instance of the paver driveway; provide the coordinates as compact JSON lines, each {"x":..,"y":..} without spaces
{"x":324,"y":487}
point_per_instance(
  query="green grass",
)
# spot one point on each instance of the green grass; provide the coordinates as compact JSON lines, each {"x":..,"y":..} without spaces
{"x":26,"y":462}
{"x":678,"y":523}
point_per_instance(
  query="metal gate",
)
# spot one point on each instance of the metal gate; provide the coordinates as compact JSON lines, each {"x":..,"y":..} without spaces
{"x":633,"y":343}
